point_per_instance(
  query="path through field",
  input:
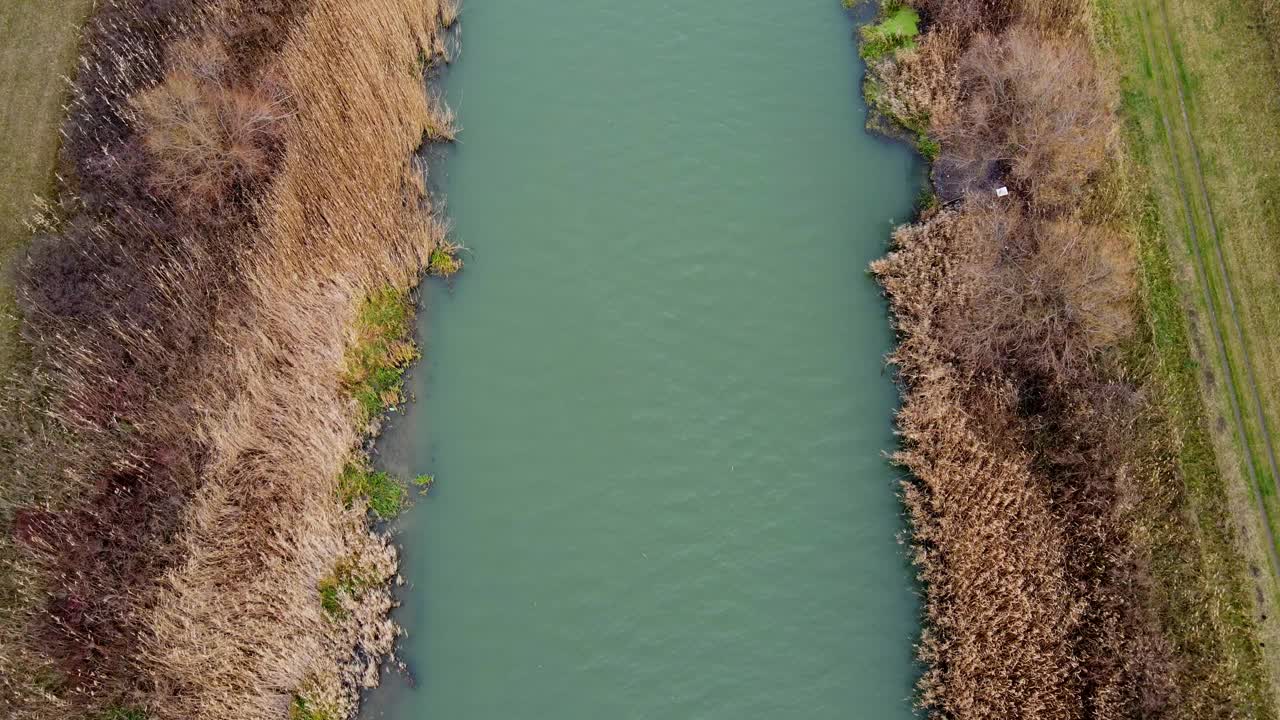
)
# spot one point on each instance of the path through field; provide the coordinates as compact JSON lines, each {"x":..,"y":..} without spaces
{"x":1168,"y":85}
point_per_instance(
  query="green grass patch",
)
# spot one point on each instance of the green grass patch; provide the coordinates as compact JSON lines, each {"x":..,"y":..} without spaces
{"x":444,"y":261}
{"x":40,"y":45}
{"x":897,"y":29}
{"x":929,"y":148}
{"x":331,"y":598}
{"x":927,"y":200}
{"x":381,"y":353}
{"x":346,"y":579}
{"x":1207,"y":589}
{"x":913,"y":128}
{"x":1176,"y":367}
{"x":385,"y":494}
{"x":303,"y":709}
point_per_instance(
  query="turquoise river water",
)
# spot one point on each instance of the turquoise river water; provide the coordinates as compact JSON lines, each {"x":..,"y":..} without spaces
{"x":655,"y":401}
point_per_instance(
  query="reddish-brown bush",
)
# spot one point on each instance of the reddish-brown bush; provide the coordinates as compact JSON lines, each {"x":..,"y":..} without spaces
{"x":969,"y":16}
{"x":1041,"y":298}
{"x":1021,"y":457}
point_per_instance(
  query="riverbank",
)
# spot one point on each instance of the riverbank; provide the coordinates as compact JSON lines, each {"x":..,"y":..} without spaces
{"x":1070,"y":524}
{"x":218,"y":317}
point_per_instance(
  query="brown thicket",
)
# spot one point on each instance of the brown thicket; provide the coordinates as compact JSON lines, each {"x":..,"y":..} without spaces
{"x":969,"y":16}
{"x":1020,"y":450}
{"x":1042,"y":298}
{"x":206,"y":141}
{"x":239,"y":178}
{"x":1033,"y":113}
{"x":1023,"y":430}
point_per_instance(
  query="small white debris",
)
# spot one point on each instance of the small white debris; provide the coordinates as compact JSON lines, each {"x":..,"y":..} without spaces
{"x":1002,"y":191}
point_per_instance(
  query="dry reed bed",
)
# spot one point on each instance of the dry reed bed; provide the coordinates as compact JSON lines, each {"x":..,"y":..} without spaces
{"x":342,"y":221}
{"x":241,"y":183}
{"x":1027,"y":426}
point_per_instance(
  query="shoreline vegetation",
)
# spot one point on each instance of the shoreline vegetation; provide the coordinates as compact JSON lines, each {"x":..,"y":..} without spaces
{"x":1070,"y":526}
{"x":218,"y":307}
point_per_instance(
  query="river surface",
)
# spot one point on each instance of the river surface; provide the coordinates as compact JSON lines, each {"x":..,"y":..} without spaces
{"x":655,"y":401}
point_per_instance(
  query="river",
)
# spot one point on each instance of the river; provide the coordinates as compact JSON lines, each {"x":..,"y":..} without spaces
{"x":655,"y":402}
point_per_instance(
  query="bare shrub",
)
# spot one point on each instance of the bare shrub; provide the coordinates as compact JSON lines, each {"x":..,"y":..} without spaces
{"x":1041,"y":298}
{"x":1022,"y":461}
{"x":208,"y":142}
{"x":1033,"y":107}
{"x":1003,"y":293}
{"x":255,"y":31}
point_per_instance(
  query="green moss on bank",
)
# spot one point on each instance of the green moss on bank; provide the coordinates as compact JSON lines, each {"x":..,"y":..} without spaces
{"x":348,"y":580}
{"x":303,"y":709}
{"x":377,"y":359}
{"x":383,"y":349}
{"x":445,"y":261}
{"x":898,"y":28}
{"x":385,"y":494}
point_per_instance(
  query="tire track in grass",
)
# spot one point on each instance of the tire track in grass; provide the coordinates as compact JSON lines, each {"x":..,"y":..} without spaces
{"x":1203,"y":280}
{"x":1251,"y":378}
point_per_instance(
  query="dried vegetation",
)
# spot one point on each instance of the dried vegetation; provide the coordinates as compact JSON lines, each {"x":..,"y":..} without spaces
{"x":1045,"y":493}
{"x":239,"y":190}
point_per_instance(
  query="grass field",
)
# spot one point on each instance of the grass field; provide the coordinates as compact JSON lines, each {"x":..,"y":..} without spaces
{"x":1198,"y":82}
{"x":38,"y":47}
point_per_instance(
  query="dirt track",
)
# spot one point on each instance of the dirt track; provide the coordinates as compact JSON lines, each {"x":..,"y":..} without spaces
{"x":1189,"y":171}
